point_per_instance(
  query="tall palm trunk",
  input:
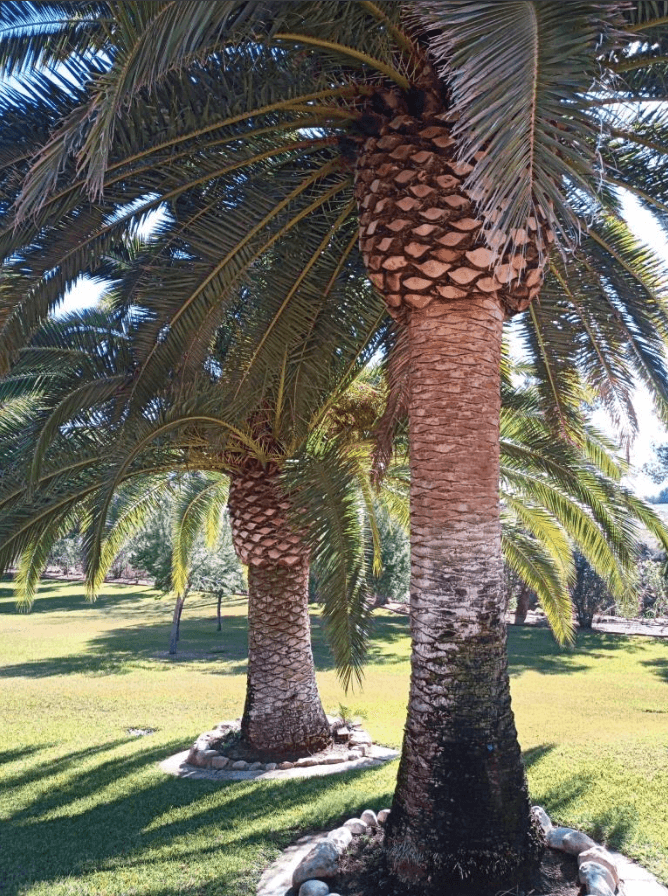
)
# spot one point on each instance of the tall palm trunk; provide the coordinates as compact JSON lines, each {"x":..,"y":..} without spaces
{"x":461,"y":815}
{"x":283,"y":715}
{"x":461,"y":807}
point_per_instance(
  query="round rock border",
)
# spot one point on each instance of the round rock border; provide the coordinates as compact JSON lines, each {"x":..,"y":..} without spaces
{"x":357,"y":751}
{"x":233,"y":771}
{"x":603,"y":873}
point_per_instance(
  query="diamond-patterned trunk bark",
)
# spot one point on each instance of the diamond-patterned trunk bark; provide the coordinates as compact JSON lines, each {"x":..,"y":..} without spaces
{"x":419,"y":234}
{"x":461,"y":817}
{"x":283,"y":716}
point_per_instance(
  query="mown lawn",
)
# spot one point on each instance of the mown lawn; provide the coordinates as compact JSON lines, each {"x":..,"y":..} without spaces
{"x":85,"y":810}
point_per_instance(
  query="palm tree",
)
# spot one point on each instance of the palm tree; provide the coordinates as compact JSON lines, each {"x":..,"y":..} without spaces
{"x":72,"y":389}
{"x":478,"y":147}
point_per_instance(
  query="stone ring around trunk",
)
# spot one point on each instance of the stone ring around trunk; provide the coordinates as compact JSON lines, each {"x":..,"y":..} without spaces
{"x":352,"y":748}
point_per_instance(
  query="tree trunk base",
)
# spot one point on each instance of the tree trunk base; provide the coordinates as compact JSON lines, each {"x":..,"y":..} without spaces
{"x":363,"y":872}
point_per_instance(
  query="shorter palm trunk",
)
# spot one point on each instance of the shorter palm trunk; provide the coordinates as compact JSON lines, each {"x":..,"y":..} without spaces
{"x":283,"y":714}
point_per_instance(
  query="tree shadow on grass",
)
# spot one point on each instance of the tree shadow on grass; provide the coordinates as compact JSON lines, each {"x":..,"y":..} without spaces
{"x":22,"y":752}
{"x":658,"y":666}
{"x":536,"y":650}
{"x":56,"y":766}
{"x":386,"y":632}
{"x":118,"y":651}
{"x":558,"y":799}
{"x":615,"y":826}
{"x":55,"y":596}
{"x":77,"y":829}
{"x":535,"y":754}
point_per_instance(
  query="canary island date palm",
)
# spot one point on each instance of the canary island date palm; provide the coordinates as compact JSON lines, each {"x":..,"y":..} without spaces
{"x":478,"y":148}
{"x":77,"y":376}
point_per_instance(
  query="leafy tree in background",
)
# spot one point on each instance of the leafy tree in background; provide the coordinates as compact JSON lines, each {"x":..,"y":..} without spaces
{"x":465,"y":140}
{"x":590,"y":596}
{"x":66,"y":554}
{"x":391,"y":582}
{"x":204,"y":562}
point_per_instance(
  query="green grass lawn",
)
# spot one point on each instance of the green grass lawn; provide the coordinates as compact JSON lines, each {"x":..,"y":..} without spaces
{"x":84,"y":808}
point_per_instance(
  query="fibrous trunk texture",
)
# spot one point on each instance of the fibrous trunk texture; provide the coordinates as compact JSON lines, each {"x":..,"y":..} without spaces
{"x":283,"y":715}
{"x":461,"y":817}
{"x":461,"y":813}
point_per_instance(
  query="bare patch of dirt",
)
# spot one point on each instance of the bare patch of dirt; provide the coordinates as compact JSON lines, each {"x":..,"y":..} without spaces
{"x":362,"y":873}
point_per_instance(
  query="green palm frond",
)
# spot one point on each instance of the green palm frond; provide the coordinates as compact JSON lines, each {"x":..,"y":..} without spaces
{"x":199,"y":504}
{"x":327,"y":506}
{"x":135,"y":502}
{"x":537,"y":569}
{"x":510,"y":107}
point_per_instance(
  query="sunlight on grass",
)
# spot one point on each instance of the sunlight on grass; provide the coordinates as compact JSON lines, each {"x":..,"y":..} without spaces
{"x":86,"y":811}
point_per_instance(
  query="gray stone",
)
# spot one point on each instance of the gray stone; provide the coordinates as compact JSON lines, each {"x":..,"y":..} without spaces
{"x":383,"y":815}
{"x":359,"y":737}
{"x":370,"y":818}
{"x":334,"y":721}
{"x":601,"y":856}
{"x":254,"y":766}
{"x":239,"y":766}
{"x":219,"y":762}
{"x":568,"y":840}
{"x":286,"y":765}
{"x":331,"y":760}
{"x":356,"y":826}
{"x":352,"y":755}
{"x":314,"y":888}
{"x":270,"y":766}
{"x":542,"y":818}
{"x":577,"y":842}
{"x":597,"y":879}
{"x":306,"y":762}
{"x":341,"y":838}
{"x":342,"y":734}
{"x":321,"y":862}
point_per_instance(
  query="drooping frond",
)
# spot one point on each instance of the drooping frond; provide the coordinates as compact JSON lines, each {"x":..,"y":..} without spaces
{"x":537,"y":569}
{"x":517,"y":72}
{"x":198,"y":506}
{"x":326,"y":506}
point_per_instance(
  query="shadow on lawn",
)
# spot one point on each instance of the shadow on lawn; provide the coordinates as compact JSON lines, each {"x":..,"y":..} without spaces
{"x":613,"y":826}
{"x":534,"y":649}
{"x":659,"y":666}
{"x":117,"y":651}
{"x":55,"y":595}
{"x":75,"y":828}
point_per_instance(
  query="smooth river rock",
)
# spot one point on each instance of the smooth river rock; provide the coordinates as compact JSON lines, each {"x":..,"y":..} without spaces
{"x":341,"y":838}
{"x":597,"y":879}
{"x":314,"y":888}
{"x":321,"y":862}
{"x":601,"y":856}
